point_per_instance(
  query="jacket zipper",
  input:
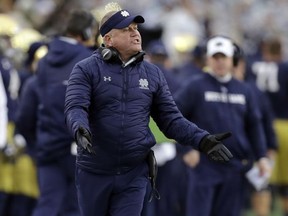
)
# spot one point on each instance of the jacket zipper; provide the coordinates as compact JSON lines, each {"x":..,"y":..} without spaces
{"x":123,"y":108}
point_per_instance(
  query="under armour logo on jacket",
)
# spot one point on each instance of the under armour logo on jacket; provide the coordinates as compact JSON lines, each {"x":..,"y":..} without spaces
{"x":107,"y":79}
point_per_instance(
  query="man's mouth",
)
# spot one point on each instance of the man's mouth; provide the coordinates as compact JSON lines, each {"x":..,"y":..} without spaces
{"x":137,"y":41}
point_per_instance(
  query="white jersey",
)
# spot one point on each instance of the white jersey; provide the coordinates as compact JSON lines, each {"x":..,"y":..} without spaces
{"x":3,"y":114}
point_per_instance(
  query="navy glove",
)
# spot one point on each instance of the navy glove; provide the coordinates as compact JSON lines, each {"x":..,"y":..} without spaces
{"x":214,"y":148}
{"x":83,"y":139}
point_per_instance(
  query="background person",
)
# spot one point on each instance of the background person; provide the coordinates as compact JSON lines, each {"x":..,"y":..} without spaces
{"x":217,"y":101}
{"x":54,"y":156}
{"x":269,"y":73}
{"x":261,"y":200}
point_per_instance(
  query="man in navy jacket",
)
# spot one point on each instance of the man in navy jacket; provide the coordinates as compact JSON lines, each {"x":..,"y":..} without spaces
{"x":109,"y":99}
{"x":55,"y":160}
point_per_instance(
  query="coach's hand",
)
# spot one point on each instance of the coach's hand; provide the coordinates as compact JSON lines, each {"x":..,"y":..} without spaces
{"x":83,"y":139}
{"x":214,"y":148}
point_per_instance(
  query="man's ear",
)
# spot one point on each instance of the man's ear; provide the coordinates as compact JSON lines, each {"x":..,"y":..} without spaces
{"x":107,"y":40}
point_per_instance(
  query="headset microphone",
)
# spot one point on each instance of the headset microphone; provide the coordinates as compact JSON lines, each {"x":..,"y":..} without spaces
{"x":134,"y":58}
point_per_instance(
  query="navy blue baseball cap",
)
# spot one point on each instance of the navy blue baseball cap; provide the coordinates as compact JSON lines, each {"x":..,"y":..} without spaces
{"x":119,"y":20}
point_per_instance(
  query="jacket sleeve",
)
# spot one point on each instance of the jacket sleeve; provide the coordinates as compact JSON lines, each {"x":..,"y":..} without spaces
{"x":170,"y":120}
{"x":267,"y":120}
{"x":3,"y":114}
{"x":26,"y":116}
{"x":77,"y":99}
{"x":254,"y":126}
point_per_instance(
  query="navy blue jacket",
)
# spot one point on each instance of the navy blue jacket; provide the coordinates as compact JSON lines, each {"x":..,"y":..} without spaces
{"x":115,"y":104}
{"x":53,"y":138}
{"x":170,"y":77}
{"x":220,"y":107}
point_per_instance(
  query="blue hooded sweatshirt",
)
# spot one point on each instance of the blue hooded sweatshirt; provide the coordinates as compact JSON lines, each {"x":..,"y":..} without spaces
{"x":53,"y":139}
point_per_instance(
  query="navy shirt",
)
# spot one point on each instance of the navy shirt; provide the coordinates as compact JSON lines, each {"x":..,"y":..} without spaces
{"x":272,"y":78}
{"x":220,"y":107}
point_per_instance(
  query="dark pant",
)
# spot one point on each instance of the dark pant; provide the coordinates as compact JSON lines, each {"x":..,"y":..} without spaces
{"x":213,"y":198}
{"x":16,"y":205}
{"x":57,"y":188}
{"x":171,"y":183}
{"x":112,"y":195}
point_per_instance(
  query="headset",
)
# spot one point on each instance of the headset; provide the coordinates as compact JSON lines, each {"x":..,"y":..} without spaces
{"x":110,"y":54}
{"x":238,"y":54}
{"x":81,"y":23}
{"x":238,"y":51}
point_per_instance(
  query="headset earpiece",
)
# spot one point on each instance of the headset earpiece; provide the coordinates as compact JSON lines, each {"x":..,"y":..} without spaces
{"x":87,"y":33}
{"x":238,"y":54}
{"x":109,"y":54}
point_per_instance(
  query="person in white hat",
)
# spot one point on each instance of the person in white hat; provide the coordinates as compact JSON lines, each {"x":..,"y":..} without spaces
{"x":217,"y":101}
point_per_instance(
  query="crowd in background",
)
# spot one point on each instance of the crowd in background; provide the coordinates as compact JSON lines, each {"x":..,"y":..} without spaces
{"x":182,"y":26}
{"x":247,"y":22}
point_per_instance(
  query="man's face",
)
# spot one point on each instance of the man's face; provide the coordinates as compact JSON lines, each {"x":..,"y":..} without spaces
{"x":127,"y":41}
{"x":220,"y":64}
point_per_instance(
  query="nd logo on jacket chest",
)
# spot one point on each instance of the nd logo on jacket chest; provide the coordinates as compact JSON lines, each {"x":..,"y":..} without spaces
{"x":143,"y":84}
